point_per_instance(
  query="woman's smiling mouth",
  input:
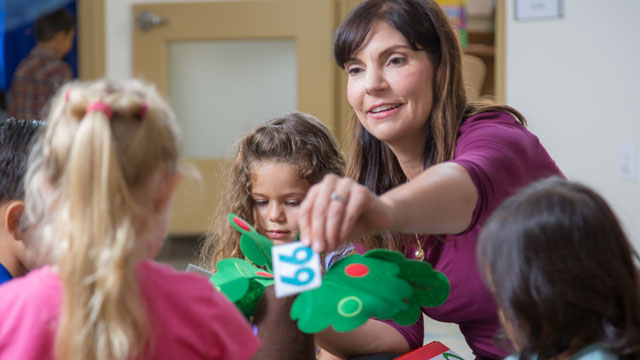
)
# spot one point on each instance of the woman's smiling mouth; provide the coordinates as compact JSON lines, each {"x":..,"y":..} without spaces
{"x":380,"y":111}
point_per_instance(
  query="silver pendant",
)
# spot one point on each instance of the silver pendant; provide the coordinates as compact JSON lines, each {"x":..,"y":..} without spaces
{"x":419,"y":254}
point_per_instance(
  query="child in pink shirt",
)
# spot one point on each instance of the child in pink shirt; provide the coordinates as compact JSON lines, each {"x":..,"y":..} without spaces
{"x":106,"y":168}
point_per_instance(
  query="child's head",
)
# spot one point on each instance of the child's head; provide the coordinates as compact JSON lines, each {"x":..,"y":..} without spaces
{"x":16,"y":138}
{"x":562,"y":271}
{"x":106,"y":171}
{"x":56,"y":29}
{"x":275,"y":165}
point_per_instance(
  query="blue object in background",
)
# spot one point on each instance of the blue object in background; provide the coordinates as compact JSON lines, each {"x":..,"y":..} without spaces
{"x":19,"y":38}
{"x":3,"y":12}
{"x":24,"y":12}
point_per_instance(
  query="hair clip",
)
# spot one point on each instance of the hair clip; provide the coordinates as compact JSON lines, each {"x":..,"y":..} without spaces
{"x":100,"y":106}
{"x":143,"y":110}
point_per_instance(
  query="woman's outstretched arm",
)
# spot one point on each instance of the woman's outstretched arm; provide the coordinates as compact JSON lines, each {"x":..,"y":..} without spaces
{"x":441,"y":200}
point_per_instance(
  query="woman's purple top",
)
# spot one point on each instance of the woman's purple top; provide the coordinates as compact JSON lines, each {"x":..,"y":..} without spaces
{"x":501,"y":156}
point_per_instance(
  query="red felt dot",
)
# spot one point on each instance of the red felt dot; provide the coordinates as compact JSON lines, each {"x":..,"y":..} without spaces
{"x":264,"y":274}
{"x":356,"y":270}
{"x":243,"y":225}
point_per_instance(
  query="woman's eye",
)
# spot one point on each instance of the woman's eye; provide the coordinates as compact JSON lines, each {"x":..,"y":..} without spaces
{"x":293,"y":202}
{"x":397,"y":60}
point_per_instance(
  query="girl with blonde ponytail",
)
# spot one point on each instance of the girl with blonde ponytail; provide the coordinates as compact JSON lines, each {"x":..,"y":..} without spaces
{"x":106,"y":168}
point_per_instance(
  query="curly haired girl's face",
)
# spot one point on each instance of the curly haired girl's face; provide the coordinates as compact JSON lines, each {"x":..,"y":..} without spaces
{"x":277,"y":191}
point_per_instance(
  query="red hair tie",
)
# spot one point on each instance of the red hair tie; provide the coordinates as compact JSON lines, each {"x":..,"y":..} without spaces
{"x":66,"y":95}
{"x":100,"y":106}
{"x":143,"y":110}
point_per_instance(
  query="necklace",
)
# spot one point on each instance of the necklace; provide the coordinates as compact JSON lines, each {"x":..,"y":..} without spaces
{"x":419,"y":254}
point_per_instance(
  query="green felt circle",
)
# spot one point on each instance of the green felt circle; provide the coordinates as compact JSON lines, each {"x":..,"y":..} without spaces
{"x":350,"y":306}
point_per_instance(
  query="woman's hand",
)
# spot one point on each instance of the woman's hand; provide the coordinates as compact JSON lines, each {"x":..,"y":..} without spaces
{"x":338,"y":209}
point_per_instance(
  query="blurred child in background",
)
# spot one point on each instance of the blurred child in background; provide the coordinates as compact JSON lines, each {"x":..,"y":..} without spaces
{"x":39,"y":76}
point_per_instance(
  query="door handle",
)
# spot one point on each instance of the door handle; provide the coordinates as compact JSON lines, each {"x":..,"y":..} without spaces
{"x":146,"y":20}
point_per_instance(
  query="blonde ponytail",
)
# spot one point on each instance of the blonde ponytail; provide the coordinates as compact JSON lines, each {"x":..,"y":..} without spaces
{"x":101,"y":165}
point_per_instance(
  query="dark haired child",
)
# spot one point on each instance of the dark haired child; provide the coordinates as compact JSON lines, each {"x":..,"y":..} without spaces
{"x":43,"y":72}
{"x":16,"y":138}
{"x":562,"y":272}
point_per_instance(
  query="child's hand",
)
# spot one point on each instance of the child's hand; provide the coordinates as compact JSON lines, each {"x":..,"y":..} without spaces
{"x":339,"y":209}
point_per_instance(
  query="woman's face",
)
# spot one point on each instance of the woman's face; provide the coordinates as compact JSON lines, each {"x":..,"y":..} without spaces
{"x":390,"y":86}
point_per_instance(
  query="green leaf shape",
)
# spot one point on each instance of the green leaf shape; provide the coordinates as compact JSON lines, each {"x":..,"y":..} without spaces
{"x":241,"y":282}
{"x":253,"y":245}
{"x":240,"y":224}
{"x":430,"y":287}
{"x":346,"y":302}
{"x":257,"y":248}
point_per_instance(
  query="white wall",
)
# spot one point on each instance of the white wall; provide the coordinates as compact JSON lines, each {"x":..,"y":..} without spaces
{"x":577,"y":80}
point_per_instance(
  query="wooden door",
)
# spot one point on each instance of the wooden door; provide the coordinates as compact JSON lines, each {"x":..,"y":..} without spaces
{"x":199,"y":56}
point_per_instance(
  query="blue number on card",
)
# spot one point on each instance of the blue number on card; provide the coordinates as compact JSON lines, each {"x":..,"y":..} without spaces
{"x":293,"y":259}
{"x":295,"y":280}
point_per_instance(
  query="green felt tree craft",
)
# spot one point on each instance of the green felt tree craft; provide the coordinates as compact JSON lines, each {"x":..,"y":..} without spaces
{"x":242,"y":282}
{"x":381,"y":283}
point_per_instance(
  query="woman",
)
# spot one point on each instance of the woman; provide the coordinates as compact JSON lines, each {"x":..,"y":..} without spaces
{"x":429,"y":167}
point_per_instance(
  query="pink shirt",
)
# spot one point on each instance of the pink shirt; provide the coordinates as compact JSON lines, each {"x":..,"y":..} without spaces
{"x":188,"y":318}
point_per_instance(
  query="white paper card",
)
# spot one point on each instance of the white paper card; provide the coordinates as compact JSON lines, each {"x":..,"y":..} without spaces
{"x":198,"y":270}
{"x":538,"y":9}
{"x":296,"y":268}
